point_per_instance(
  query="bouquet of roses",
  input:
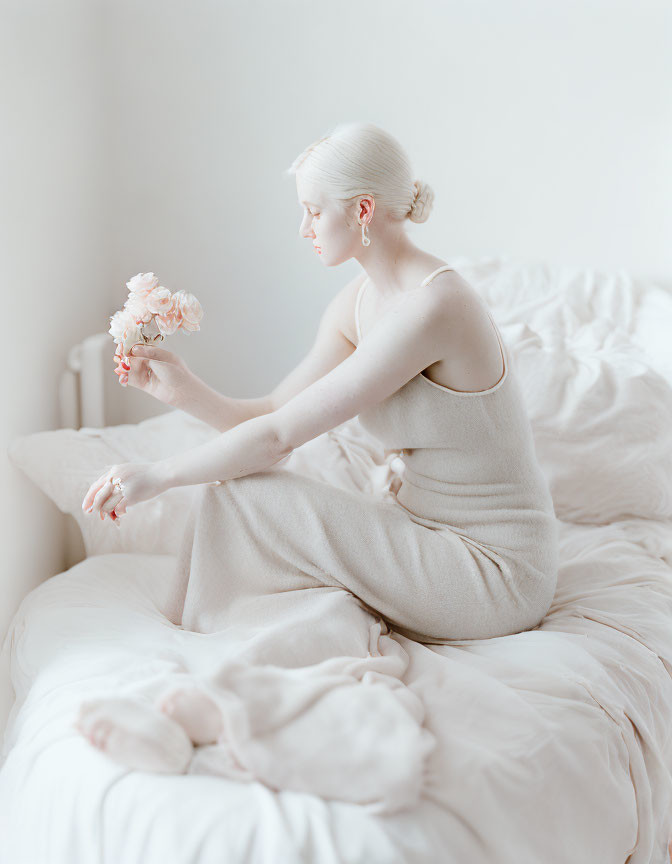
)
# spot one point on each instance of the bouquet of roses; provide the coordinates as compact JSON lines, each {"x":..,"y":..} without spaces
{"x":150,"y":314}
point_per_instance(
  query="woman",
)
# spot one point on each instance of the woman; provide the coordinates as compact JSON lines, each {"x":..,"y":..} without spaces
{"x":466,"y":549}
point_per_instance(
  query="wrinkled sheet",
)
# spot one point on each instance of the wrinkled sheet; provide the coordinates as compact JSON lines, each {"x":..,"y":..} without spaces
{"x":550,"y":745}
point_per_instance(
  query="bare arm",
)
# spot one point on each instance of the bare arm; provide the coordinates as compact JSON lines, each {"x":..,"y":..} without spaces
{"x":165,"y":376}
{"x":328,"y":350}
{"x":250,"y":443}
{"x":409,"y":338}
{"x":222,"y":412}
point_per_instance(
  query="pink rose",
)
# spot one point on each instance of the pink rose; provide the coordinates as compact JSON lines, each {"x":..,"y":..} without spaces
{"x":150,"y":314}
{"x":169,"y":321}
{"x":137,"y":306}
{"x":159,"y":301}
{"x":123,"y":366}
{"x":189,"y":311}
{"x":142,"y":284}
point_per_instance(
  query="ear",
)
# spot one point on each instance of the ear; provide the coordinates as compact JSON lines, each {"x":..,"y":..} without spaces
{"x":365,"y":208}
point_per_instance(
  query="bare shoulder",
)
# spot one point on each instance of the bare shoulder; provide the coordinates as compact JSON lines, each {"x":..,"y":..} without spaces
{"x":448,"y":296}
{"x":451,"y":293}
{"x":472,"y":359}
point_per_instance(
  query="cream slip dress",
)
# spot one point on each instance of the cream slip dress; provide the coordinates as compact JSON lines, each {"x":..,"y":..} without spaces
{"x":467,"y":549}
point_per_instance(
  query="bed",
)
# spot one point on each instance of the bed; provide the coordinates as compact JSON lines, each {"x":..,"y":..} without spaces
{"x":551,"y":745}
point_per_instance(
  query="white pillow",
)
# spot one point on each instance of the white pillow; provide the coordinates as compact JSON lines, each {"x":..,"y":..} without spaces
{"x":65,"y":462}
{"x":601,"y":420}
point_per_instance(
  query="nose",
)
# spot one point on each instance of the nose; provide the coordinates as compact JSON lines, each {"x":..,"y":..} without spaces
{"x":306,"y":231}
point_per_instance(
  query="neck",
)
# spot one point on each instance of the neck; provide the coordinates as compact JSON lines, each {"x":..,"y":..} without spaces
{"x":386,"y":261}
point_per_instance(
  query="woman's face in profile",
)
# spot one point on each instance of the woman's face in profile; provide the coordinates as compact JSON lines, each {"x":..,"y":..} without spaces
{"x":324,"y":224}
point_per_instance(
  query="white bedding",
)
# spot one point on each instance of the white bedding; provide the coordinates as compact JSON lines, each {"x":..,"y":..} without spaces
{"x":552,"y":745}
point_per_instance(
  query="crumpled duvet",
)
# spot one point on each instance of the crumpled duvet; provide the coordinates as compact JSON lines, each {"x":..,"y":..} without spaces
{"x":550,"y":745}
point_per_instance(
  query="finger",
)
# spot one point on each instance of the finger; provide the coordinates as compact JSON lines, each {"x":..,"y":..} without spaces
{"x":91,"y":494}
{"x":123,"y":376}
{"x":151,"y":352}
{"x":101,"y":496}
{"x":121,"y":508}
{"x":111,"y":502}
{"x":135,"y":374}
{"x":123,"y":365}
{"x":140,"y":372}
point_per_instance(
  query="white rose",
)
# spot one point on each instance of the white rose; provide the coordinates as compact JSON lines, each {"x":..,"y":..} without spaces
{"x":118,"y":324}
{"x":142,"y":284}
{"x":189,"y":309}
{"x":137,"y":306}
{"x":159,"y":300}
{"x":169,"y":321}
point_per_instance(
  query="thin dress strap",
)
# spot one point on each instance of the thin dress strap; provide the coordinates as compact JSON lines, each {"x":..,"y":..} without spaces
{"x":502,"y":347}
{"x":435,"y":273}
{"x":357,"y":302}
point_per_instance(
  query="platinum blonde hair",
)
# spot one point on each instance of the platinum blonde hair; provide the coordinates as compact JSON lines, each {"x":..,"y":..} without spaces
{"x":362,"y":159}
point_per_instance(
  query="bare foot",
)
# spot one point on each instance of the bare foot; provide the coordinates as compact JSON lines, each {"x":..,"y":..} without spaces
{"x":135,"y":734}
{"x":195,"y":711}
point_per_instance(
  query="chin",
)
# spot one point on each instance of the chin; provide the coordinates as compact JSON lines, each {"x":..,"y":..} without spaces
{"x":334,"y":260}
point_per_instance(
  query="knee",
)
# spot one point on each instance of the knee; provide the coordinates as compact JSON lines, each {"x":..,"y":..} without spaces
{"x":262,"y":488}
{"x":271,"y":480}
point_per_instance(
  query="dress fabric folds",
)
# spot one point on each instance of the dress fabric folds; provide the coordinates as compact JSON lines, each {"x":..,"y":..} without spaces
{"x":307,"y":571}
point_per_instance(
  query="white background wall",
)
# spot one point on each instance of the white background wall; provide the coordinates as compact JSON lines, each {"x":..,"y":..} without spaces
{"x":54,"y":271}
{"x":152,"y":135}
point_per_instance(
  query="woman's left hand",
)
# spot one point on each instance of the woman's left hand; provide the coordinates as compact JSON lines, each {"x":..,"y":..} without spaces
{"x":141,"y":481}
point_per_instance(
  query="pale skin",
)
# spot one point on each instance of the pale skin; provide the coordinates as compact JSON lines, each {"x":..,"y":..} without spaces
{"x":441,"y":329}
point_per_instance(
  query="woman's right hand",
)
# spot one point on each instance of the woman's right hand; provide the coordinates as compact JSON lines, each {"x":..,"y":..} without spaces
{"x":162,"y":374}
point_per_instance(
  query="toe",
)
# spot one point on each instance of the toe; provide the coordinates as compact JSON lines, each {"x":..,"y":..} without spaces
{"x":167,"y":704}
{"x":101,"y":733}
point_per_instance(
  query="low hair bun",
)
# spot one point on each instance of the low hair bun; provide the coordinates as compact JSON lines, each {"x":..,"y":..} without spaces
{"x":357,"y":159}
{"x":421,"y":205}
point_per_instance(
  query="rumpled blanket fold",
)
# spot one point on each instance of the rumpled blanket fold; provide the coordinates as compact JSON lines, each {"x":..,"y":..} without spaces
{"x":346,"y":728}
{"x":307,"y":676}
